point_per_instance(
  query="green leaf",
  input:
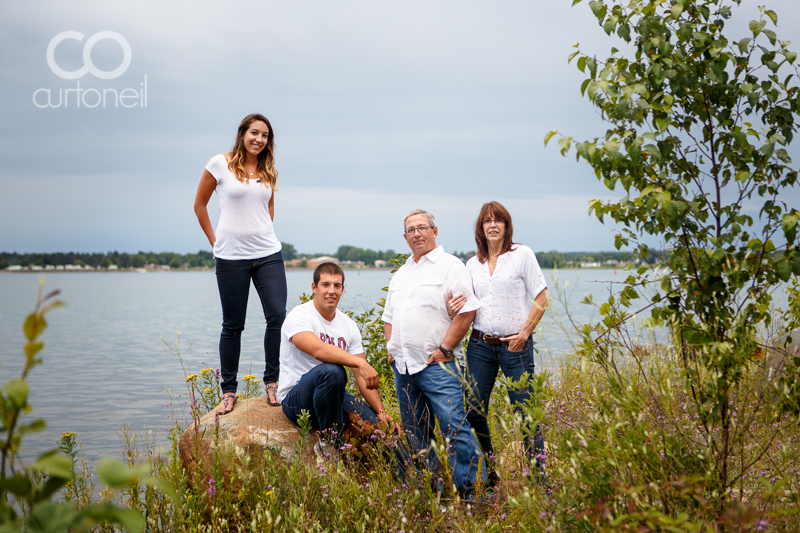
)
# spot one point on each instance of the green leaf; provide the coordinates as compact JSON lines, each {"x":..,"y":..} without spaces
{"x":17,"y":392}
{"x":742,"y":176}
{"x":790,"y":56}
{"x":56,"y":465}
{"x":34,"y":325}
{"x":549,"y":136}
{"x":564,"y":143}
{"x":18,"y":484}
{"x":756,"y":26}
{"x":785,"y":270}
{"x":165,"y":486}
{"x":771,"y":36}
{"x":117,"y":475}
{"x":743,"y":44}
{"x":32,"y":348}
{"x":32,"y":427}
{"x":582,"y":64}
{"x":51,"y":517}
{"x":772,"y":15}
{"x":128,"y":518}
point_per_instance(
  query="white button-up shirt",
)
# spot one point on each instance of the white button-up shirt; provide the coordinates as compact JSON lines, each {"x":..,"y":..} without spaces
{"x":416,"y":307}
{"x":504,"y":294}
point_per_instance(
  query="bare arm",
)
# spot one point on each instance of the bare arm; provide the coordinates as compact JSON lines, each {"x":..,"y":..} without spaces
{"x":540,"y":305}
{"x":454,"y":335}
{"x":271,"y":206}
{"x":308,"y":342}
{"x":204,"y":191}
{"x":373,"y":398}
{"x":387,"y":332}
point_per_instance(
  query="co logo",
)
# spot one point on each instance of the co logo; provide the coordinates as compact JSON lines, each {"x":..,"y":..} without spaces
{"x":88,"y":66}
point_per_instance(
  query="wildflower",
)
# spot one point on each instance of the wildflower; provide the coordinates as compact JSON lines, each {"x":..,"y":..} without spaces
{"x":191,"y":378}
{"x":268,"y":493}
{"x":248,"y":377}
{"x":206,"y":390}
{"x":216,"y":373}
{"x":212,"y":489}
{"x":68,"y":434}
{"x":206,"y":370}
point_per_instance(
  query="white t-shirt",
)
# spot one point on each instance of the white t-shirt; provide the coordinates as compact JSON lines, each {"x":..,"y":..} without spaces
{"x":504,"y":295}
{"x":245,"y":228}
{"x":416,"y":307}
{"x":342,"y":331}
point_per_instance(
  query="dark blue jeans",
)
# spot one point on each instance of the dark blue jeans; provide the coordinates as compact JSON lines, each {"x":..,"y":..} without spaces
{"x":233,"y":280}
{"x":321,"y":392}
{"x":483,"y":362}
{"x":436,"y":392}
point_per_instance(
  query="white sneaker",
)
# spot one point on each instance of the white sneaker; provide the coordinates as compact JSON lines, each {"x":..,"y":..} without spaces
{"x":326,"y":452}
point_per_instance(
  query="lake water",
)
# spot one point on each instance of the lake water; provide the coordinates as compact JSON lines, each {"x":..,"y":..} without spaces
{"x":104,"y":362}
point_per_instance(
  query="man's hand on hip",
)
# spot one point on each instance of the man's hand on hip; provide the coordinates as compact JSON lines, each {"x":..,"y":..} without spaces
{"x":439,"y":357}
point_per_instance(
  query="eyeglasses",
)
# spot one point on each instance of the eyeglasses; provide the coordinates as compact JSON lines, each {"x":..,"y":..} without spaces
{"x":412,"y":231}
{"x":490,"y":221}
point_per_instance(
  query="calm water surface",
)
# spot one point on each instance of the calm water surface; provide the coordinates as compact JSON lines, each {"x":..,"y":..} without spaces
{"x":105,"y":363}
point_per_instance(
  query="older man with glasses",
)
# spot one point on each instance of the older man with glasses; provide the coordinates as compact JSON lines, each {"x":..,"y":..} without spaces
{"x":423,"y":344}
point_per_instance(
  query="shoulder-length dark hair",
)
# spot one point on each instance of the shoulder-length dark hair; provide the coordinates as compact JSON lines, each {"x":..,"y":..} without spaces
{"x":498,"y":212}
{"x":267,"y":172}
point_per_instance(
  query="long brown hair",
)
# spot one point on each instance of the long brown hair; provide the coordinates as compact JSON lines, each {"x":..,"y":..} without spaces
{"x":498,"y":212}
{"x":265,"y":165}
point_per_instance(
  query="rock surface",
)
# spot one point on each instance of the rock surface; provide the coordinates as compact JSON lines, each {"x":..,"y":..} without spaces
{"x":250,"y":428}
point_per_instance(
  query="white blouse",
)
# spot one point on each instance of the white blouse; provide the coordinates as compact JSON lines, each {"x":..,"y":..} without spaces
{"x":504,"y":295}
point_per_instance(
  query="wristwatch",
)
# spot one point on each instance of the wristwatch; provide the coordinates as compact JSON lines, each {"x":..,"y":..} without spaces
{"x":447,"y":353}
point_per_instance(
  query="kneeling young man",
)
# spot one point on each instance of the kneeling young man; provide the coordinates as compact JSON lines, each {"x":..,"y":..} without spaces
{"x":317,"y":342}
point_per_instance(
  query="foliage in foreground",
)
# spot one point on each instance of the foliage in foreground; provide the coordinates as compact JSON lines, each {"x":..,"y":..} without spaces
{"x":699,"y":129}
{"x":35,"y":488}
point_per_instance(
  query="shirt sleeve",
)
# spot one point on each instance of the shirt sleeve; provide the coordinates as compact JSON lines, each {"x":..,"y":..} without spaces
{"x":531,"y":272}
{"x":388,"y":306}
{"x":355,"y":347}
{"x":216,"y":167}
{"x":459,"y":281}
{"x":296,"y":322}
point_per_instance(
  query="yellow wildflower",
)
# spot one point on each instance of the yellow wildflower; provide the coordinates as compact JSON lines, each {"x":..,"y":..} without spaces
{"x":206,"y":370}
{"x":191,"y":378}
{"x":68,"y":434}
{"x":268,"y":493}
{"x":206,"y":389}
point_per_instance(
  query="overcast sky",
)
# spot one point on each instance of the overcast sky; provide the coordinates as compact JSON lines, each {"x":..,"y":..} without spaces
{"x":378,"y":108}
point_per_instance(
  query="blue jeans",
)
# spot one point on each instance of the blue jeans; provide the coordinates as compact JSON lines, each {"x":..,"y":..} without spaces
{"x":483,"y":362}
{"x":233,"y":281}
{"x":321,"y":392}
{"x":436,"y":392}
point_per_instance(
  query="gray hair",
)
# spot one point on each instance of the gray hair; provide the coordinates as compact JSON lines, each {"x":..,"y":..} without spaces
{"x":431,"y":220}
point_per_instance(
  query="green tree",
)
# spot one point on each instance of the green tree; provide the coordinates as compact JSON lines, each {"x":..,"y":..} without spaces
{"x":288,"y":251}
{"x":699,"y":125}
{"x":175,"y":262}
{"x":105,"y":263}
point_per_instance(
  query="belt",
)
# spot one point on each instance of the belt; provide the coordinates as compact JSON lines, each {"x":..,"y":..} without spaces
{"x":491,"y":340}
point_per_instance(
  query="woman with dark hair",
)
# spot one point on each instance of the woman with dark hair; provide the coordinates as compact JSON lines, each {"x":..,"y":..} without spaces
{"x":504,"y":275}
{"x":245,"y":248}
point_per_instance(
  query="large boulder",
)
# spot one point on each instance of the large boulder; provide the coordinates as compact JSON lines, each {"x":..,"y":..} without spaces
{"x":249,"y":429}
{"x":776,"y":359}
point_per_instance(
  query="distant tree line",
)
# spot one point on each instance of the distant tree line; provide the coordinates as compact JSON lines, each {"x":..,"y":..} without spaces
{"x":202,"y":258}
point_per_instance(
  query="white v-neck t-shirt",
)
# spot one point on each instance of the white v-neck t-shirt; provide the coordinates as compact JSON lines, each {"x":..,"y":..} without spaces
{"x":504,"y":294}
{"x":244,"y":230}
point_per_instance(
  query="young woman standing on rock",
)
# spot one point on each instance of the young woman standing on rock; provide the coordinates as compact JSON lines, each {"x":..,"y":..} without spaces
{"x":245,"y":248}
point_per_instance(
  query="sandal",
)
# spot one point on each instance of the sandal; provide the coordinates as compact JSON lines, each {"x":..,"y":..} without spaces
{"x":226,"y":405}
{"x":272,"y":395}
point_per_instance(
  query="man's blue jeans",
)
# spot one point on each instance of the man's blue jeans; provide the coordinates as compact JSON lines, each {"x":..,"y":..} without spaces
{"x":321,"y":392}
{"x":436,"y":392}
{"x":483,"y":362}
{"x":233,"y":280}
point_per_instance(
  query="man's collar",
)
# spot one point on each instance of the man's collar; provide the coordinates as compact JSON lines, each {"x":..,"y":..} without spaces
{"x":432,"y":256}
